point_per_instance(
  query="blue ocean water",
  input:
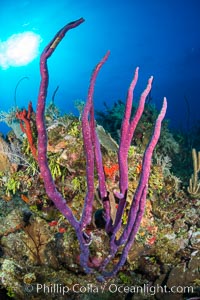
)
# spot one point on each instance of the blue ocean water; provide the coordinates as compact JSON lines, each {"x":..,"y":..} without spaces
{"x":161,"y":37}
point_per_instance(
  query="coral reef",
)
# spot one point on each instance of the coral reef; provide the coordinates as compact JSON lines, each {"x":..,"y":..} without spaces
{"x":168,"y":238}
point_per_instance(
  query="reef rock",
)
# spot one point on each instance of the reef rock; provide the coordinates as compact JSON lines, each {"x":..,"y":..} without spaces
{"x":195,"y":240}
{"x":182,"y":275}
{"x":5,"y":163}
